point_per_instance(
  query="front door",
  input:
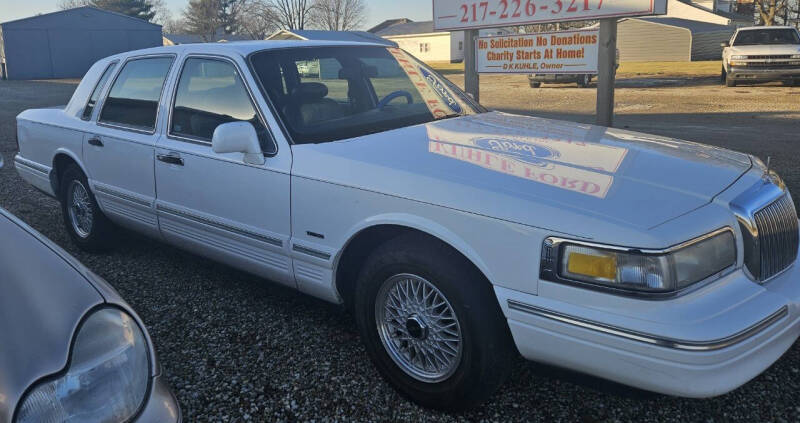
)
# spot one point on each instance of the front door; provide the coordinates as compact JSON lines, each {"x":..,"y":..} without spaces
{"x":119,"y":151}
{"x":216,"y":204}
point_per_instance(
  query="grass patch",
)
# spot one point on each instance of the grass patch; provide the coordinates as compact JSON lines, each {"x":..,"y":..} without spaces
{"x":699,"y":69}
{"x":447,"y":68}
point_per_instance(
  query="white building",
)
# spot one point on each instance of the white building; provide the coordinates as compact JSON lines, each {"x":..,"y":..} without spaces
{"x":419,"y":39}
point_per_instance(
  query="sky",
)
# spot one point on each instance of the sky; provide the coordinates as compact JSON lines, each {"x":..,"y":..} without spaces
{"x":378,"y":10}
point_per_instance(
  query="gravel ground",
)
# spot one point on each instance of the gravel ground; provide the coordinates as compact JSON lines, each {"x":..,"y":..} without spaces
{"x":236,"y":348}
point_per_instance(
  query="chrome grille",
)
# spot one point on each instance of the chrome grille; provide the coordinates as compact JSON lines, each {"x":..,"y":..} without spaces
{"x":777,"y":237}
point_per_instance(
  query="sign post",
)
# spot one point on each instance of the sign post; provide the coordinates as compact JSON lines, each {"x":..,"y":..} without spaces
{"x":607,"y":69}
{"x":471,"y":15}
{"x":471,"y":78}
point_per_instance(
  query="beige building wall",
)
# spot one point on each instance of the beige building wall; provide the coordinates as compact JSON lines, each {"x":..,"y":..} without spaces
{"x":642,"y":41}
{"x":433,"y":47}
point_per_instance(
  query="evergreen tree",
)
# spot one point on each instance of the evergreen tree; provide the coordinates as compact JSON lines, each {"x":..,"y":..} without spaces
{"x":142,"y":9}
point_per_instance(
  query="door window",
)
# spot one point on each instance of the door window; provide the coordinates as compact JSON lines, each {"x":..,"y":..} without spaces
{"x":87,"y":111}
{"x":133,"y":100}
{"x":210,"y":93}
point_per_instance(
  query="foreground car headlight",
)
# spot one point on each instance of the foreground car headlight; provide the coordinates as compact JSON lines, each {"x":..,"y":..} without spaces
{"x":636,"y":270}
{"x":106,"y":380}
{"x":738,"y":57}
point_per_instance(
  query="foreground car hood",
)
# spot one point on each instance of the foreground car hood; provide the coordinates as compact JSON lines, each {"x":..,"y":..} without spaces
{"x":42,"y":300}
{"x":766,"y":49}
{"x":547,"y":173}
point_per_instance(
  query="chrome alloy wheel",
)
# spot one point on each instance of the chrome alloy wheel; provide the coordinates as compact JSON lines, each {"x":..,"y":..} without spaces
{"x":418,"y":328}
{"x":79,"y":207}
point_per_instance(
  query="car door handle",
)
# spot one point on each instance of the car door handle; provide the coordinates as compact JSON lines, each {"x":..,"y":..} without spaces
{"x":171,"y":158}
{"x":95,"y":142}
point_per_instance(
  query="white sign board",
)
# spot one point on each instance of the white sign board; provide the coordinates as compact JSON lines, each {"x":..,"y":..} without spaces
{"x":543,"y":52}
{"x":472,"y":14}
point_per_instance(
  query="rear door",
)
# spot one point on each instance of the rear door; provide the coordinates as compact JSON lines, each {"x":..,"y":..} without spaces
{"x":119,"y":153}
{"x":215,"y":204}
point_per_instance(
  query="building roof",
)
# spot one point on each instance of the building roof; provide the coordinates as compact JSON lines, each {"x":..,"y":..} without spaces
{"x":320,"y":35}
{"x":409,"y":28}
{"x":693,"y":26}
{"x":387,"y":23}
{"x":52,"y":19}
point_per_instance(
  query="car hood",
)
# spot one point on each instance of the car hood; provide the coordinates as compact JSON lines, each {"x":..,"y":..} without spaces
{"x":533,"y":171}
{"x":42,"y":300}
{"x":766,"y":49}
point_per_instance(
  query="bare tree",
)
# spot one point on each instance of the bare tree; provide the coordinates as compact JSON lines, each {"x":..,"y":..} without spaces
{"x":769,"y":10}
{"x":255,"y":18}
{"x":292,"y":14}
{"x":339,"y":15}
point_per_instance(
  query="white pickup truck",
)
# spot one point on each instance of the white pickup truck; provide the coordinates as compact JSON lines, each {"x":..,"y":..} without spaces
{"x":759,"y":54}
{"x":457,"y":236}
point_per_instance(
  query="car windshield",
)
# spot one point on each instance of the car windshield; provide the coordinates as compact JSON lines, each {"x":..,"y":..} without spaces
{"x":331,"y":93}
{"x":766,"y":36}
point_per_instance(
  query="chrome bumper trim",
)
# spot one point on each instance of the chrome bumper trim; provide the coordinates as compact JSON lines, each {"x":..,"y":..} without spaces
{"x":677,"y":344}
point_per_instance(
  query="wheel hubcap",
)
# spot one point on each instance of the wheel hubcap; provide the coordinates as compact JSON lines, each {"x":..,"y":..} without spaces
{"x":79,"y":208}
{"x":418,"y":328}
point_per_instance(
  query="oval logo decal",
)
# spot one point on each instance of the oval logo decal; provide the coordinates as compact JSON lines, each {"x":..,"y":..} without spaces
{"x":530,"y":153}
{"x":441,"y":90}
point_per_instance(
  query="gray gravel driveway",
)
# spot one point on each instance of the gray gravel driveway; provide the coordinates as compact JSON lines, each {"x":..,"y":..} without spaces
{"x":237,"y":348}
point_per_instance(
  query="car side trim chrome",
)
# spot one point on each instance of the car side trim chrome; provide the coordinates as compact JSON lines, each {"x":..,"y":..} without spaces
{"x":114,"y":193}
{"x":311,"y":252}
{"x":219,"y":225}
{"x":678,"y":344}
{"x":31,"y":165}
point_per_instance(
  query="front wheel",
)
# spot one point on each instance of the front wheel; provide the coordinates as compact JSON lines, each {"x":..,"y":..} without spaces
{"x":534,"y":84}
{"x":729,"y":82}
{"x":85,"y":222}
{"x":431,"y":324}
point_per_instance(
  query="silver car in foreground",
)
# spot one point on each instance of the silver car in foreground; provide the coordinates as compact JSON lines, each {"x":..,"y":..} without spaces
{"x":71,"y":350}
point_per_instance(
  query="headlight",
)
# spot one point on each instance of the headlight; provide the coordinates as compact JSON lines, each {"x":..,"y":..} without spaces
{"x":738,"y":57}
{"x":636,"y":270}
{"x":106,"y":380}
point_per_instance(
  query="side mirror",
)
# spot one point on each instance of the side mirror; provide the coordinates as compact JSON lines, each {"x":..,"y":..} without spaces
{"x":238,"y":137}
{"x":725,"y":44}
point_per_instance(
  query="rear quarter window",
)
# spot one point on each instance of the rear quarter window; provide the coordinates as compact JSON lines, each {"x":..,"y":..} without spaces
{"x":134,"y":97}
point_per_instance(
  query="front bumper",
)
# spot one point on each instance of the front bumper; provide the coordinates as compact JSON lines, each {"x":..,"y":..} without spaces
{"x":703,"y":344}
{"x":745,"y":73}
{"x":161,"y":406}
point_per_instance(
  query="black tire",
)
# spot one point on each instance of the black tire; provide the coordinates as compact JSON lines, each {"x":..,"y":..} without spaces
{"x":99,"y":233}
{"x":535,"y":84}
{"x":584,"y":80}
{"x":723,"y":75}
{"x":487,"y":347}
{"x":729,"y":82}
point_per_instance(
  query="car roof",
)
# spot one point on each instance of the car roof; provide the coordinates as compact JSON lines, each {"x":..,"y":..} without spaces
{"x":751,"y":28}
{"x":243,"y":48}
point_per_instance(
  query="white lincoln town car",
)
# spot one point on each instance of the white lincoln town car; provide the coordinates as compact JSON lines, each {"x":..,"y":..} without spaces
{"x":457,"y":236}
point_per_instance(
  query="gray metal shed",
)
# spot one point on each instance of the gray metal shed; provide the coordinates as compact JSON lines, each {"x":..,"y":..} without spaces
{"x":65,"y":44}
{"x":665,"y":39}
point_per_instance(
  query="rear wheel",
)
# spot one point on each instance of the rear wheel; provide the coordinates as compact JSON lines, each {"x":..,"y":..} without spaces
{"x":535,"y":84}
{"x":584,"y":80}
{"x":85,"y":222}
{"x":431,"y":324}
